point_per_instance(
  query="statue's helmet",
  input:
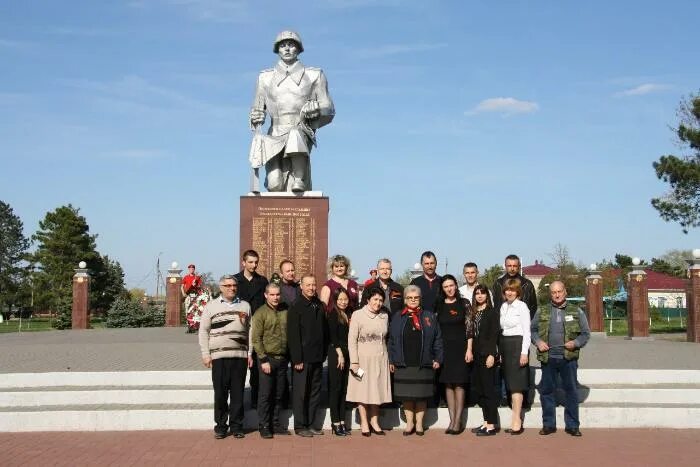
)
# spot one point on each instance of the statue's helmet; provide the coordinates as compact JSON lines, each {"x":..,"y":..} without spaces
{"x":287,"y":35}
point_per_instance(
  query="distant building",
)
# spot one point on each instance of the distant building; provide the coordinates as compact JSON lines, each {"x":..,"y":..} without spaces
{"x":665,"y":291}
{"x":535,"y":272}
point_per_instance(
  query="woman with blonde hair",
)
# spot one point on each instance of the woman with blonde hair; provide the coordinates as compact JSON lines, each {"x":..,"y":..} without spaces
{"x":514,"y":346}
{"x":339,"y":276}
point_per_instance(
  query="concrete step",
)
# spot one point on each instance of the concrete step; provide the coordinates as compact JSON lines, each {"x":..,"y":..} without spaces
{"x":203,"y":378}
{"x":110,"y":395}
{"x":153,"y":400}
{"x":175,"y":417}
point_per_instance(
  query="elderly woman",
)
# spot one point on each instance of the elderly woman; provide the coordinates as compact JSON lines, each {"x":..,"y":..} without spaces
{"x":415,"y":352}
{"x":338,"y":276}
{"x":514,"y":347}
{"x":369,"y":384}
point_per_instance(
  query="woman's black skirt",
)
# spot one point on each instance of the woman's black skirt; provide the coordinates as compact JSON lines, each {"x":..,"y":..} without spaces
{"x":517,"y":378}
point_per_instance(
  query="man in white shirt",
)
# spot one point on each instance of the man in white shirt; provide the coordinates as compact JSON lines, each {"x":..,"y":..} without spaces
{"x":471,"y":278}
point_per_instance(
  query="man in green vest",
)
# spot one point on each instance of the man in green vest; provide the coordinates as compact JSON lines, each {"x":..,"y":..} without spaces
{"x":559,"y":330}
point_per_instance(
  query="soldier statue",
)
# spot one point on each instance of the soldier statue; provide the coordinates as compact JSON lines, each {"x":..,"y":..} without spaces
{"x":297,"y":100}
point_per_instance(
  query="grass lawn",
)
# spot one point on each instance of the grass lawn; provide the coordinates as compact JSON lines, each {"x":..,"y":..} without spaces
{"x":37,"y":324}
{"x":619,"y":326}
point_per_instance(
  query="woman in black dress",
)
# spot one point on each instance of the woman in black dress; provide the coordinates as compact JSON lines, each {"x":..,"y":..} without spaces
{"x":338,"y":359}
{"x":486,"y":329}
{"x":453,"y":315}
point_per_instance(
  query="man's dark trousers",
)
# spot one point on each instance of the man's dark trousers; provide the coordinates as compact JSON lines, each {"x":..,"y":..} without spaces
{"x":306,"y":394}
{"x":228,"y":377}
{"x":566,"y":369}
{"x":271,"y":393}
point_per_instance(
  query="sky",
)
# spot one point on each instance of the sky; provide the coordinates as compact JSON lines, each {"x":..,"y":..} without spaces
{"x":473,"y":129}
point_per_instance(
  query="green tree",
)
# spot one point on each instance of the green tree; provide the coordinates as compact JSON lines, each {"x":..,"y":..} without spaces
{"x":490,"y":275}
{"x":107,"y":284}
{"x":682,"y":203}
{"x":13,"y":248}
{"x":63,"y":240}
{"x":677,"y":259}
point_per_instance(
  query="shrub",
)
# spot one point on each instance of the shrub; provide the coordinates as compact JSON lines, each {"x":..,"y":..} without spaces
{"x":128,"y":313}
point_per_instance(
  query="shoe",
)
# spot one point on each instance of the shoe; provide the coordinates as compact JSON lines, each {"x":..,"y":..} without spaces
{"x":238,"y":434}
{"x":420,"y":432}
{"x":486,"y":432}
{"x":409,"y":432}
{"x":547,"y":430}
{"x":458,"y":431}
{"x":280,"y":430}
{"x":304,"y":433}
{"x":265,"y":433}
{"x":337,"y":430}
{"x":376,"y":432}
{"x":346,"y":430}
{"x":219,"y":434}
{"x":366,"y":434}
{"x":298,"y":186}
{"x":511,"y":431}
{"x":449,"y":431}
{"x":478,"y":429}
{"x":315,"y":432}
{"x":574,"y":432}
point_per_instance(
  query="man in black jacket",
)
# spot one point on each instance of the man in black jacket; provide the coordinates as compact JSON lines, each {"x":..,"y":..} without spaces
{"x":251,"y":288}
{"x":429,"y":282}
{"x":307,"y":340}
{"x":393,"y":291}
{"x":512,"y":267}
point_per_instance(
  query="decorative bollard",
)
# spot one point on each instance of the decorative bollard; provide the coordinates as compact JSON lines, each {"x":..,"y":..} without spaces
{"x":693,"y":298}
{"x":594,"y":300}
{"x":173,"y":297}
{"x":80,"y":314}
{"x":637,"y":303}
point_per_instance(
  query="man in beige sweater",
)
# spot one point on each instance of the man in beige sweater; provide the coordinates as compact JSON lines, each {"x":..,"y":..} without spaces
{"x":224,"y":338}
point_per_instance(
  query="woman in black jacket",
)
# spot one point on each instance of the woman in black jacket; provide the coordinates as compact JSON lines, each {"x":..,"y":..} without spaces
{"x":338,"y":359}
{"x":485,"y":331}
{"x":415,"y":352}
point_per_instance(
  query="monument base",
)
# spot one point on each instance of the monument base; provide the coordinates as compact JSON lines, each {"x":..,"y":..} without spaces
{"x":641,"y":338}
{"x":599,"y":335}
{"x":291,"y":226}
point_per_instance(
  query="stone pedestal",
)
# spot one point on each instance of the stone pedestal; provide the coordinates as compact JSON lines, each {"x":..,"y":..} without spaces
{"x":286,"y":226}
{"x":637,"y":305}
{"x":693,"y":301}
{"x":80,"y":314}
{"x":594,"y":301}
{"x":173,"y":297}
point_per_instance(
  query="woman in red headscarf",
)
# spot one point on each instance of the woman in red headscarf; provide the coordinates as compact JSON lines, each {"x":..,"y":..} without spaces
{"x":415,"y":352}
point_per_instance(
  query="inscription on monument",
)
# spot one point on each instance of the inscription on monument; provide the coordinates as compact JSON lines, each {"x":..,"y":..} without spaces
{"x":286,"y":228}
{"x":284,"y":232}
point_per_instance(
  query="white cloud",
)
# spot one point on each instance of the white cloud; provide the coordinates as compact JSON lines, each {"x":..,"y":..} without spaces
{"x":504,"y":105}
{"x":134,"y":94}
{"x":396,"y":49}
{"x":643,"y":89}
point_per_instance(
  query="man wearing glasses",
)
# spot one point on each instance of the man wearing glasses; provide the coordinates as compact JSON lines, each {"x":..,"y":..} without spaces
{"x":224,"y":337}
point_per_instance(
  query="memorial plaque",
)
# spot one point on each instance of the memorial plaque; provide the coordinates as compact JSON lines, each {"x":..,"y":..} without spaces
{"x":286,"y":227}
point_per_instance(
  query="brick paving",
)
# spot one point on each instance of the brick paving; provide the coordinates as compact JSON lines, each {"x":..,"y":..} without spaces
{"x":161,"y":349}
{"x":677,"y":448}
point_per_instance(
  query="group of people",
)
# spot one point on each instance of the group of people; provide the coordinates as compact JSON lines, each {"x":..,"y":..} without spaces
{"x":386,"y":344}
